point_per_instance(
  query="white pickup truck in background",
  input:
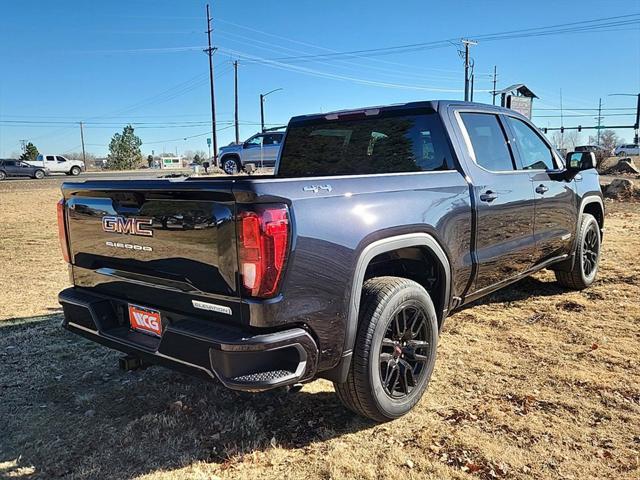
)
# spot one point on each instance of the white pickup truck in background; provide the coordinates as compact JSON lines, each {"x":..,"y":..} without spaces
{"x":58,"y":164}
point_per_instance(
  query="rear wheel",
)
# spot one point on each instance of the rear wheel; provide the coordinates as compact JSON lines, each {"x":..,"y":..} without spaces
{"x":38,"y":174}
{"x":231,"y":165}
{"x":2,"y":175}
{"x":75,"y":171}
{"x":622,"y":154}
{"x":587,"y":256}
{"x":395,"y":349}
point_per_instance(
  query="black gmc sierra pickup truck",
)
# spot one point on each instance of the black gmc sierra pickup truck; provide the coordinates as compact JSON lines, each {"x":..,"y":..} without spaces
{"x":378,"y":223}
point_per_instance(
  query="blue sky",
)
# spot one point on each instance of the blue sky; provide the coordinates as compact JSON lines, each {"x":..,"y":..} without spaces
{"x":139,"y":61}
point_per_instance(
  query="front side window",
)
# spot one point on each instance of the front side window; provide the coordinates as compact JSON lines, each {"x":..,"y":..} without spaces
{"x":534,"y":153}
{"x":255,"y":141}
{"x":386,"y":144}
{"x":488,"y":141}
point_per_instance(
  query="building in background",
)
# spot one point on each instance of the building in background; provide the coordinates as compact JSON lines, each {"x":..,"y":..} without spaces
{"x":171,"y":163}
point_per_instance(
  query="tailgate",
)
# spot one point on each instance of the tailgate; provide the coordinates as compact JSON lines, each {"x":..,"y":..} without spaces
{"x":158,"y":233}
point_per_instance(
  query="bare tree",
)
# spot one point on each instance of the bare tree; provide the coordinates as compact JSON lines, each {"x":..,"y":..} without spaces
{"x":608,"y":139}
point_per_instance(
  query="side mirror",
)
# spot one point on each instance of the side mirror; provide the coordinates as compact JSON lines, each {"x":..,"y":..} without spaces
{"x":578,"y":161}
{"x":245,"y":145}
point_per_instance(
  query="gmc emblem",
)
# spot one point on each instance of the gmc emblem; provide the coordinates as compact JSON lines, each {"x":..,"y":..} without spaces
{"x":129,"y":226}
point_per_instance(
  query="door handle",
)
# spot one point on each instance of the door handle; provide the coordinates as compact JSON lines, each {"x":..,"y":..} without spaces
{"x":488,"y":196}
{"x":542,"y":189}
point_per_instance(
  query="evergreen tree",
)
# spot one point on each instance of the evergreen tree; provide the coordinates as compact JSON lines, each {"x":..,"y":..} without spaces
{"x":30,"y":153}
{"x":124,"y":150}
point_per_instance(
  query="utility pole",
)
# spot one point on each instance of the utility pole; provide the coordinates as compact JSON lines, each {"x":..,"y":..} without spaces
{"x":84,"y":157}
{"x":467,"y":43}
{"x":637,"y":124}
{"x":209,"y":51}
{"x":235,"y":84}
{"x":495,"y":81}
{"x":561,"y":122}
{"x":23,"y":145}
{"x":599,"y":118}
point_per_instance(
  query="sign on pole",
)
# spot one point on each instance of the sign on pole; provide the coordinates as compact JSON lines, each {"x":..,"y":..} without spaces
{"x":209,"y":141}
{"x":521,"y":105}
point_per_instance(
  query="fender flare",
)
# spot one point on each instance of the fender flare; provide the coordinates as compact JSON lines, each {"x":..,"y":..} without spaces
{"x":591,"y":199}
{"x":587,"y":200}
{"x":376,"y":248}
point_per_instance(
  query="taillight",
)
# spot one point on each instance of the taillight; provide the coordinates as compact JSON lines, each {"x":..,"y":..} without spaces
{"x":62,"y":232}
{"x":263,"y":244}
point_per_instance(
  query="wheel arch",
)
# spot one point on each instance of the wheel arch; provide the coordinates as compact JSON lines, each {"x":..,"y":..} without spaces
{"x":593,"y":205}
{"x":423,"y":241}
{"x":234,"y":155}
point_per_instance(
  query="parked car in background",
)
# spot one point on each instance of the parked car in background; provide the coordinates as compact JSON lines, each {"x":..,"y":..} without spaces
{"x":628,"y":149}
{"x":262,"y":150}
{"x":18,"y":168}
{"x":377,"y":224}
{"x":58,"y":164}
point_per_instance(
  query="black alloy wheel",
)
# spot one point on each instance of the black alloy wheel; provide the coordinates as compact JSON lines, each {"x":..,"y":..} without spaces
{"x":404,"y":352}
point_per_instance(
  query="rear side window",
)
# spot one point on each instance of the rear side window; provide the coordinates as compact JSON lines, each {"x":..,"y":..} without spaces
{"x":390,"y":144}
{"x":272,"y":139}
{"x":488,"y":141}
{"x":534,"y":153}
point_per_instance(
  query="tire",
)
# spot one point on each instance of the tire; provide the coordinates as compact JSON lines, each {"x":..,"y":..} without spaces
{"x":2,"y":175}
{"x":379,"y":351}
{"x":622,"y":154}
{"x":38,"y":174}
{"x":75,"y":171}
{"x":231,"y":165}
{"x":587,"y":256}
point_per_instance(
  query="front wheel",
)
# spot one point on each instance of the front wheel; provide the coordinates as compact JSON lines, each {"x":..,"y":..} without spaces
{"x":231,"y":166}
{"x":587,"y":256}
{"x":2,"y":175}
{"x":395,"y":349}
{"x":39,"y":174}
{"x":75,"y":171}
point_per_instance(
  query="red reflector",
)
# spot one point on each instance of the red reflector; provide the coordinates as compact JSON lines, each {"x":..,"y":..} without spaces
{"x":62,"y":232}
{"x":263,"y":246}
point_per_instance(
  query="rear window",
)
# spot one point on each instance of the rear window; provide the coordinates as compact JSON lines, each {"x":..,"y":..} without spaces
{"x":411,"y":143}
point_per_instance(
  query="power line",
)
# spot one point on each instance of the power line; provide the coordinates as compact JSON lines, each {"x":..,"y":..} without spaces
{"x":323,"y":74}
{"x":511,"y":34}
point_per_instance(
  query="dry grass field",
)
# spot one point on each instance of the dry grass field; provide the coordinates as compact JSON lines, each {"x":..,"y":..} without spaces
{"x":532,"y":382}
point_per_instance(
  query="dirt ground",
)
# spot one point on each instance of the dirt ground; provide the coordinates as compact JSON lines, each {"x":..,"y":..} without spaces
{"x":532,"y":382}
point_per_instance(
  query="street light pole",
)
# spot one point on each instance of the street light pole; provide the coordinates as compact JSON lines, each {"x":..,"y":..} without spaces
{"x":262,"y":95}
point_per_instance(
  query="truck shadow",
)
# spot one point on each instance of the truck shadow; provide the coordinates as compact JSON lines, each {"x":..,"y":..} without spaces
{"x":522,"y":290}
{"x":68,"y":411}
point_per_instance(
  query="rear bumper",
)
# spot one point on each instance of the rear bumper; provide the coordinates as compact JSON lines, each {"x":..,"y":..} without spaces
{"x":239,"y":358}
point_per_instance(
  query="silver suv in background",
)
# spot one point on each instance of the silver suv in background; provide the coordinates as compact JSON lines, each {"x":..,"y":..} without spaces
{"x":628,"y":149}
{"x":262,"y":150}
